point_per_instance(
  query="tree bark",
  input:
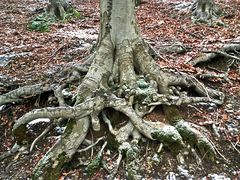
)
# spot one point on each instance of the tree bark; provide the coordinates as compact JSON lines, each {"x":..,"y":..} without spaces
{"x":204,"y":11}
{"x":58,"y":8}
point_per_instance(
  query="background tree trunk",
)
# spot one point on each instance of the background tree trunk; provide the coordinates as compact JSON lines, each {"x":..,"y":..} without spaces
{"x":58,"y":8}
{"x":204,"y":10}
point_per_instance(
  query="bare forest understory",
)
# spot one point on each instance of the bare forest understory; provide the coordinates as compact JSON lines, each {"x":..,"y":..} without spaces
{"x":155,"y":98}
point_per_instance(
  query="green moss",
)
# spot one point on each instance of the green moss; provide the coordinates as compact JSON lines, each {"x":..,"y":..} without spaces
{"x":206,"y":150}
{"x":41,"y":23}
{"x":186,"y":132}
{"x":196,"y":139}
{"x":132,"y":153}
{"x":169,"y":139}
{"x":112,"y":143}
{"x":132,"y":164}
{"x":137,"y":2}
{"x":20,"y":134}
{"x":45,"y":170}
{"x":69,"y":128}
{"x":94,"y":165}
{"x":72,"y":13}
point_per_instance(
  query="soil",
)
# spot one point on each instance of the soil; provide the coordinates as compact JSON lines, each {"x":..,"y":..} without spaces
{"x":37,"y":55}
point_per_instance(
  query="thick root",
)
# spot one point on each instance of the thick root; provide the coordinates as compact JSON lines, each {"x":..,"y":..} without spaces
{"x":50,"y":166}
{"x":19,"y":94}
{"x":189,"y":132}
{"x":196,"y":138}
{"x":226,"y":52}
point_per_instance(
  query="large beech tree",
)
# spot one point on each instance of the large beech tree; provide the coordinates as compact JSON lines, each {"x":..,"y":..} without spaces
{"x":120,"y":76}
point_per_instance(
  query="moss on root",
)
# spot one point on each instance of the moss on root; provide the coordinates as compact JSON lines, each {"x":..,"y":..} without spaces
{"x":173,"y":142}
{"x":94,"y":165}
{"x":20,"y":134}
{"x":46,"y":169}
{"x":132,"y":162}
{"x":113,"y":144}
{"x":196,"y":139}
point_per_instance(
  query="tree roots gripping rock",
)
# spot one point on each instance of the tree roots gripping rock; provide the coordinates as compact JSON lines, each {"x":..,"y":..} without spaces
{"x":123,"y":77}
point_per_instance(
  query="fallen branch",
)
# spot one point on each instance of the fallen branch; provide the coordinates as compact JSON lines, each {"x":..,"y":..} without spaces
{"x":19,"y":94}
{"x":213,"y":54}
{"x":40,"y":136}
{"x":92,"y":145}
{"x":223,"y":54}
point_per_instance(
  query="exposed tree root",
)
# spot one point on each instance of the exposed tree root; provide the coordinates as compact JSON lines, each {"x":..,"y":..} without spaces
{"x":122,"y":77}
{"x":145,"y":95}
{"x":229,"y":55}
{"x":19,"y":94}
{"x":226,"y":52}
{"x":11,"y":152}
{"x":214,"y":75}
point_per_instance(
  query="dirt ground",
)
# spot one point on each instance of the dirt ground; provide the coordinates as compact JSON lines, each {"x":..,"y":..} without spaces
{"x":35,"y":56}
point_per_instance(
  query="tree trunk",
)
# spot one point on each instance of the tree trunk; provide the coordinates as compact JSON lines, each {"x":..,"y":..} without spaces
{"x":204,"y":11}
{"x":58,"y":8}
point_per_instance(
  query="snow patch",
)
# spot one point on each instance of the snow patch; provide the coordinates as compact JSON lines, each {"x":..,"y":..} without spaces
{"x":2,"y":107}
{"x":35,"y":121}
{"x":81,"y":33}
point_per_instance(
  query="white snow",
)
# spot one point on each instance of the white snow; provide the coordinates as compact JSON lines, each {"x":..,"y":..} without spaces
{"x":35,"y":121}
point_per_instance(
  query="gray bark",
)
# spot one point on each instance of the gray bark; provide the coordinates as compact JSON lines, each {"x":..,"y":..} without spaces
{"x":58,"y":8}
{"x":204,"y":11}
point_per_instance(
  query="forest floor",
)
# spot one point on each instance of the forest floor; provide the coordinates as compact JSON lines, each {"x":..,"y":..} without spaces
{"x":28,"y":57}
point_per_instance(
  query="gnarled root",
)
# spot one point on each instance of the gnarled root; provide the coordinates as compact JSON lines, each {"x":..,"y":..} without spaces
{"x":49,"y":167}
{"x":229,"y":54}
{"x":129,"y":82}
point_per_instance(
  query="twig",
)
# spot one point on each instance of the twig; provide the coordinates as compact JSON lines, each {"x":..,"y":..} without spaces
{"x":40,"y":136}
{"x":115,"y":170}
{"x":87,"y":148}
{"x":235,"y":147}
{"x":108,"y":122}
{"x":160,"y":148}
